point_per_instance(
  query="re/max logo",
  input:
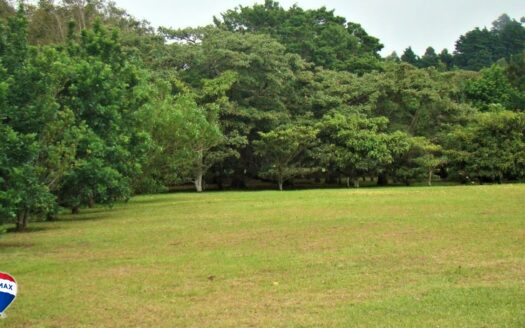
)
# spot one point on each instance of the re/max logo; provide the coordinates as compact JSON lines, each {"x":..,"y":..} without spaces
{"x":6,"y":286}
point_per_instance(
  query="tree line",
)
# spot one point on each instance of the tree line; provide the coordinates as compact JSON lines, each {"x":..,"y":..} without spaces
{"x":476,"y":49}
{"x":96,"y":106}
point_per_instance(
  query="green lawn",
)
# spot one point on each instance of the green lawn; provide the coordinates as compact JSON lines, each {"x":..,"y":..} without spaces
{"x":395,"y":257}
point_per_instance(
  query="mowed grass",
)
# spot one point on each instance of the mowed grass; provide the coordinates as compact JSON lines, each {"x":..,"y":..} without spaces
{"x":393,"y":257}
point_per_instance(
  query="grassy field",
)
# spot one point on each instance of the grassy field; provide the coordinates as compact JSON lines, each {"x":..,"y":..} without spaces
{"x":395,"y":257}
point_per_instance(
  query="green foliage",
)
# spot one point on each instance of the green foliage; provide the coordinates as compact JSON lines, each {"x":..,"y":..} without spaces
{"x":491,"y":148}
{"x":354,"y":145}
{"x":281,"y":149}
{"x":420,"y":102}
{"x":27,"y":106}
{"x":481,"y":48}
{"x":493,"y":87}
{"x":22,"y":193}
{"x":105,"y":91}
{"x":430,"y":58}
{"x":410,"y":57}
{"x":319,"y":36}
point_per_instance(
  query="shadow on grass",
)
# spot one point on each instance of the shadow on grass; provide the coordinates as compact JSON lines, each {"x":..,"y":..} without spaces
{"x":96,"y":214}
{"x":30,"y":229}
{"x":6,"y":245}
{"x":92,"y":215}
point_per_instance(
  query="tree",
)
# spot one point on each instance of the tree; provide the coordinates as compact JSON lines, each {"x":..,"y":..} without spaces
{"x":354,"y":145}
{"x":429,"y":156}
{"x":393,"y":57}
{"x":515,"y":71}
{"x":511,"y":36}
{"x":22,"y":193}
{"x":419,"y":102}
{"x":429,"y":59}
{"x":6,"y":10}
{"x":409,"y":56}
{"x":493,"y":87}
{"x":491,"y":148}
{"x":29,"y":80}
{"x":319,"y":36}
{"x":281,"y":149}
{"x":105,"y":89}
{"x":476,"y":49}
{"x":481,"y":48}
{"x":447,"y":59}
{"x":262,"y":97}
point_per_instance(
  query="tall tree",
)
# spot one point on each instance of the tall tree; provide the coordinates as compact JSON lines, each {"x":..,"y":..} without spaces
{"x":429,"y":59}
{"x":105,"y":90}
{"x":409,"y":56}
{"x":28,"y":84}
{"x":262,"y":97}
{"x":447,"y":59}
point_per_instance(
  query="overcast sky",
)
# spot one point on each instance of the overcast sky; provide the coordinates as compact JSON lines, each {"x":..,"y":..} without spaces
{"x":397,"y":23}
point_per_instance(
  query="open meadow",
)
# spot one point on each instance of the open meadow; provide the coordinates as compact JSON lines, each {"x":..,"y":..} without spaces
{"x":379,"y":257}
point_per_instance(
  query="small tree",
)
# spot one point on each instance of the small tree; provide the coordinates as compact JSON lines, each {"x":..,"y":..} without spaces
{"x":409,"y":56}
{"x":429,"y":158}
{"x":281,"y":149}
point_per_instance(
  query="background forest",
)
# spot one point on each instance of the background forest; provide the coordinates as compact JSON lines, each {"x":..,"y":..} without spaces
{"x":96,"y":106}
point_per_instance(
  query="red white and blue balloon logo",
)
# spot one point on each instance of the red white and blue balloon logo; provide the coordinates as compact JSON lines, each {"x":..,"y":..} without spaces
{"x":7,"y":292}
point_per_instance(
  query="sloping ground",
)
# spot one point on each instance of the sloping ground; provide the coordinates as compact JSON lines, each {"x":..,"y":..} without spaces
{"x":399,"y":257}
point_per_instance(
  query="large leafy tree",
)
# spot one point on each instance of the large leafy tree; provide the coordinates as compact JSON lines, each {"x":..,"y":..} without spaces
{"x":354,"y":145}
{"x":185,"y":129}
{"x":30,"y":161}
{"x":491,"y":148}
{"x":419,"y":102}
{"x":105,"y":91}
{"x":262,"y":97}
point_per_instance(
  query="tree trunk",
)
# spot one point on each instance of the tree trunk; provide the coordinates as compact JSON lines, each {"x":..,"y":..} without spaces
{"x":199,"y":172}
{"x":220,"y":182}
{"x":75,"y":210}
{"x":51,"y":216}
{"x":59,"y":25}
{"x":430,"y":173}
{"x":356,"y":183}
{"x":382,"y":180}
{"x":198,"y":182}
{"x":21,"y":222}
{"x":91,"y":202}
{"x":348,"y":182}
{"x":280,"y":182}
